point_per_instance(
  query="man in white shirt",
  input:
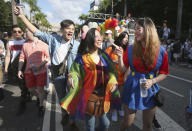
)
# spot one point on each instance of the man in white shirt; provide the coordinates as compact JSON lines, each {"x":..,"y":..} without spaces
{"x":12,"y":58}
{"x":166,"y":31}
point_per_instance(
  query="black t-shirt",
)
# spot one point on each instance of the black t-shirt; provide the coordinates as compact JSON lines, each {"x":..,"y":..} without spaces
{"x":176,"y":47}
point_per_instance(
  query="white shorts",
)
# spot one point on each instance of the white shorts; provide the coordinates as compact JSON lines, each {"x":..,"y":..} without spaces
{"x":176,"y":55}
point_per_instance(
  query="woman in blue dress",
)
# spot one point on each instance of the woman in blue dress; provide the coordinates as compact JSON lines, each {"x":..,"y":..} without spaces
{"x":148,"y":59}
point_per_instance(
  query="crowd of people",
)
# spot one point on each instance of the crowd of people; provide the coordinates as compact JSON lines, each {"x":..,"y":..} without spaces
{"x":93,"y":76}
{"x":179,"y":50}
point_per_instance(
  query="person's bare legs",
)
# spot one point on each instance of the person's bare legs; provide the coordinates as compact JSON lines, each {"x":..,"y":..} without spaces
{"x":148,"y":115}
{"x":128,"y":118}
{"x":33,"y":91}
{"x":40,"y":95}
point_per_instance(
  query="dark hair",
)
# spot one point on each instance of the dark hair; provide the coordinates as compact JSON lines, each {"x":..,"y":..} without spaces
{"x":118,"y":40}
{"x":140,"y":21}
{"x":16,"y":26}
{"x":87,"y":44}
{"x":66,"y":23}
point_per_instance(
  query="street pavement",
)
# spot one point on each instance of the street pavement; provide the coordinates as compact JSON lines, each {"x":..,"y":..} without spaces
{"x":171,"y":116}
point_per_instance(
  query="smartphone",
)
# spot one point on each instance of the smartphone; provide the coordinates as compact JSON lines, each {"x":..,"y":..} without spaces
{"x":18,"y":3}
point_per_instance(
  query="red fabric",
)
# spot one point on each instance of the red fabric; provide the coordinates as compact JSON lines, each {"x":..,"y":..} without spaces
{"x":125,"y":58}
{"x":32,"y":80}
{"x":16,"y":47}
{"x":139,"y":66}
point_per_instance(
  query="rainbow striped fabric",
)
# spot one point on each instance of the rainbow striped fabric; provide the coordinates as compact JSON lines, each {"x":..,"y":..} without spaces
{"x":84,"y":74}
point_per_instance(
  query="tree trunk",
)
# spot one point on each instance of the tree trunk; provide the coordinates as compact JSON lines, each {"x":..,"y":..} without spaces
{"x":179,"y":19}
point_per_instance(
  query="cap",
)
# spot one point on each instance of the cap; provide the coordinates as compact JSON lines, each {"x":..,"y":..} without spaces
{"x":108,"y":32}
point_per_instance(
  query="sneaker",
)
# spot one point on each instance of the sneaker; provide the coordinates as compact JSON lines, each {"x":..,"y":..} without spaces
{"x":114,"y":116}
{"x":156,"y":124}
{"x":121,"y":113}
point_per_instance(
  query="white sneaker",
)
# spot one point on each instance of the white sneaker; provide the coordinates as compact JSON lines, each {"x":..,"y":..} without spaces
{"x":114,"y":116}
{"x":121,"y":113}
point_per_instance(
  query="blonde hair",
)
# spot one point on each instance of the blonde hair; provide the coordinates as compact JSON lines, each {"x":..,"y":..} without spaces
{"x":151,"y":39}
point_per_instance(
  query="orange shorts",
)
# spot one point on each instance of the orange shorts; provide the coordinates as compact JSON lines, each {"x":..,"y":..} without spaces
{"x":32,"y":80}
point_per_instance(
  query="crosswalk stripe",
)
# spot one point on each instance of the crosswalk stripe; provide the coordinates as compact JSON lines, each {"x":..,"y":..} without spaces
{"x":186,"y":80}
{"x":173,"y":92}
{"x":58,"y":115}
{"x":47,"y":115}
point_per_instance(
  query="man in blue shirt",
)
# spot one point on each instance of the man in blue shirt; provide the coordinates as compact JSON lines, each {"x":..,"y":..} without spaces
{"x":60,"y":48}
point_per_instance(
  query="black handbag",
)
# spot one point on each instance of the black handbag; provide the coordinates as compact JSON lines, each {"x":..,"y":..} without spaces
{"x":60,"y":69}
{"x":159,"y":99}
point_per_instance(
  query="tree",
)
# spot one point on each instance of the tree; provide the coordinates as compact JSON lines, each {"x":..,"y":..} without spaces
{"x":83,"y":18}
{"x":33,"y":7}
{"x":39,"y":16}
{"x":5,"y":16}
{"x":105,"y":6}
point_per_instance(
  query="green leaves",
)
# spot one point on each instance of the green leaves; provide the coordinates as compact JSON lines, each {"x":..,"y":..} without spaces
{"x":5,"y":16}
{"x":36,"y":14}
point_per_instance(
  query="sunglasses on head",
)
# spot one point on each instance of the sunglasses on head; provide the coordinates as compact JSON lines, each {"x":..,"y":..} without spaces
{"x":17,"y":31}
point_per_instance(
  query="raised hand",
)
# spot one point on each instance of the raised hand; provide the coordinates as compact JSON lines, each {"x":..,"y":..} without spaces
{"x":118,"y":50}
{"x":18,"y":11}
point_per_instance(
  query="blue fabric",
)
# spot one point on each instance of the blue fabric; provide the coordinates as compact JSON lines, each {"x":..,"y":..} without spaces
{"x":90,"y":122}
{"x":54,"y":41}
{"x":131,"y":91}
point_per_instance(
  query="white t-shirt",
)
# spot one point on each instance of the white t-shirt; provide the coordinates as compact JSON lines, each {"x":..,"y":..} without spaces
{"x":2,"y":46}
{"x":61,"y":52}
{"x":15,"y":47}
{"x":190,"y":53}
{"x":166,"y":32}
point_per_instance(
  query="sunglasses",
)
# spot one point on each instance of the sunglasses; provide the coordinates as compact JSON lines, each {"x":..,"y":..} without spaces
{"x":17,"y":31}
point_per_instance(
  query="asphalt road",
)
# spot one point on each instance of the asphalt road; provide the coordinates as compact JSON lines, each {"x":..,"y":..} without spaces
{"x":175,"y":90}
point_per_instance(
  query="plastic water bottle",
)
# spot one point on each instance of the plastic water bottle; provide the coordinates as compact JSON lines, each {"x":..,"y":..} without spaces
{"x":143,"y":92}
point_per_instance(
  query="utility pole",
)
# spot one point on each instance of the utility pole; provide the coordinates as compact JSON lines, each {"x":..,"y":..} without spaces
{"x":13,"y":15}
{"x":179,"y":19}
{"x":125,"y":8}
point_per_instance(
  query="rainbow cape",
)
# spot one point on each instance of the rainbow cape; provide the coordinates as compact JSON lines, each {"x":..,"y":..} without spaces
{"x":84,"y":74}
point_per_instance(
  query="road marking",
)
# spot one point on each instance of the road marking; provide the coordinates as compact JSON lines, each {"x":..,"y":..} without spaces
{"x":166,"y":122}
{"x":58,"y":114}
{"x":173,"y":92}
{"x":186,"y":80}
{"x":47,"y":115}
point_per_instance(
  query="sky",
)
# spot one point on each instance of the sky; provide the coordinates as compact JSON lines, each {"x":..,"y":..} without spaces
{"x":58,"y":10}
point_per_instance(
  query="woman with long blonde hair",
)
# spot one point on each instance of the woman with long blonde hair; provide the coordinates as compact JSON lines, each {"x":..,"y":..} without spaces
{"x":146,"y":58}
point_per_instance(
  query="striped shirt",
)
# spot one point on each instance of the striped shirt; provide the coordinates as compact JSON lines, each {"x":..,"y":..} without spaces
{"x":34,"y":53}
{"x":15,"y":47}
